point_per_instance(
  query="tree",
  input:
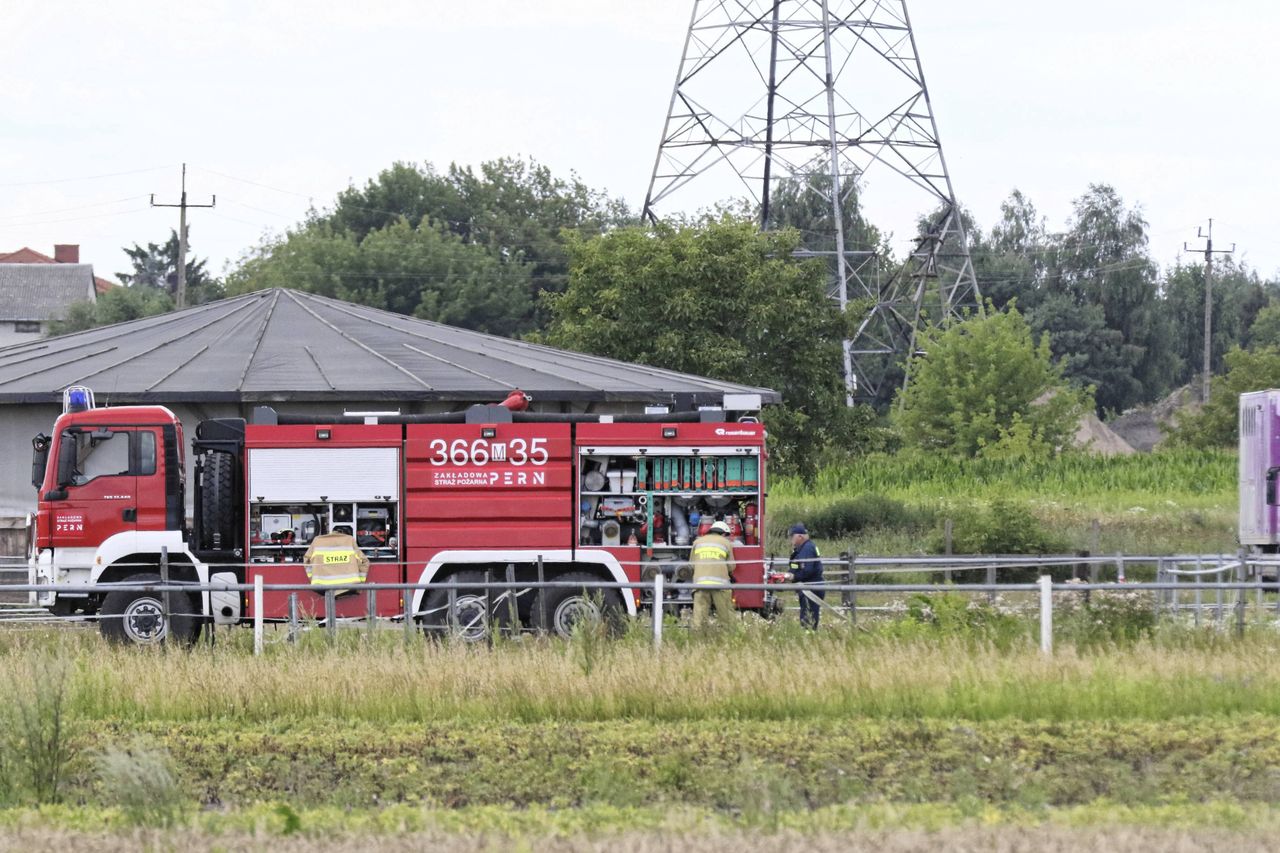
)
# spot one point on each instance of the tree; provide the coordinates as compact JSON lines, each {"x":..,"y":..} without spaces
{"x":805,"y":205}
{"x":425,"y":271}
{"x":1010,"y":264}
{"x":1216,"y":423}
{"x":723,"y":300}
{"x":1102,"y":260}
{"x":985,"y":387}
{"x":117,"y":305}
{"x":1088,"y":351}
{"x":1265,"y":329}
{"x":517,"y":210}
{"x":156,"y":267}
{"x":1238,"y":296}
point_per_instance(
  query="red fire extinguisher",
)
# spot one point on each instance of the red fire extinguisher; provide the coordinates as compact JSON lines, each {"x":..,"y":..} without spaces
{"x":752,"y":536}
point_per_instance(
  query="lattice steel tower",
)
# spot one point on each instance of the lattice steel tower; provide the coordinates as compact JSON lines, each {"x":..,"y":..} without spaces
{"x":812,"y":100}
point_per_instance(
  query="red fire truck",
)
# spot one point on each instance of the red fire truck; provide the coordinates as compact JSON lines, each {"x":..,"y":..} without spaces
{"x":489,"y":492}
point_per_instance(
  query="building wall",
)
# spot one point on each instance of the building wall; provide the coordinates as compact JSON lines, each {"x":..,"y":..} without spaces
{"x":9,"y":336}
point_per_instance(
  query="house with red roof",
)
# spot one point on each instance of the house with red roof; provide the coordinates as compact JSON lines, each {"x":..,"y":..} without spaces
{"x":63,"y":253}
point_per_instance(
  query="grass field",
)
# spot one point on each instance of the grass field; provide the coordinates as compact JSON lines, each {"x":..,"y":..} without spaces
{"x":1177,"y":501}
{"x":878,"y":737}
{"x":943,"y":729}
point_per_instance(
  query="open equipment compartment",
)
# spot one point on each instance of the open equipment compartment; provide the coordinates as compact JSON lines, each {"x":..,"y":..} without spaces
{"x":304,"y":481}
{"x":647,"y":501}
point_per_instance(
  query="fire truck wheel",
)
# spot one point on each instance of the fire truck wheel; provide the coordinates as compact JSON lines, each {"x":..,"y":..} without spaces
{"x":566,"y":607}
{"x":217,"y":507}
{"x":132,"y":616}
{"x":468,"y":623}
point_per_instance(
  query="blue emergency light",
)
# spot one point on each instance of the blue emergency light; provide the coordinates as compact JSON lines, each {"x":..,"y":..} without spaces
{"x":77,"y":398}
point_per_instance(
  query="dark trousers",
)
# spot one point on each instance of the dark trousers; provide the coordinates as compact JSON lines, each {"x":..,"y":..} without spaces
{"x":810,"y":610}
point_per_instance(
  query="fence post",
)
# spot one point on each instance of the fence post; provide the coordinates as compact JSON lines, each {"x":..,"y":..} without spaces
{"x":1120,"y":567}
{"x":293,"y":618}
{"x":657,"y":610}
{"x":488,"y":607}
{"x":1160,"y":593}
{"x":331,"y":615}
{"x":371,"y":610}
{"x":257,"y":614}
{"x":850,"y":596}
{"x":947,"y":529}
{"x":1046,"y":614}
{"x":542,"y":598}
{"x":1199,"y":593}
{"x":407,"y":603}
{"x":991,"y":580}
{"x":1218,"y":601}
{"x":164,"y":594}
{"x":1095,"y":537}
{"x":513,"y":611}
{"x":1241,"y":595}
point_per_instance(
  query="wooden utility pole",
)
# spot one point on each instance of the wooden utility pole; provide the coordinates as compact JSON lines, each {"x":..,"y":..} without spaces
{"x":1208,"y":300}
{"x":181,"y":297}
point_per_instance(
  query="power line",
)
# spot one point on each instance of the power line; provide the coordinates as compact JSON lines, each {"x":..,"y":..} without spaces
{"x":83,"y":178}
{"x":30,"y":213}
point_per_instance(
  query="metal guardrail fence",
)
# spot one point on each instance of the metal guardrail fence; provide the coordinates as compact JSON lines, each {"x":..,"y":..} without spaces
{"x":1170,"y":588}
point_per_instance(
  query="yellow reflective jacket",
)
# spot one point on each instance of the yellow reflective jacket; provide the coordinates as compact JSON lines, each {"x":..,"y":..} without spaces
{"x":712,"y":560}
{"x":334,"y":558}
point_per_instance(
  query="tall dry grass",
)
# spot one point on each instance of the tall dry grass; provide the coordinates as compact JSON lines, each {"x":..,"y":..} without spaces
{"x":761,"y":674}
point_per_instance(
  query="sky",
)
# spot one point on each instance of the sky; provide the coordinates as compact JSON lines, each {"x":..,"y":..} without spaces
{"x":277,"y":106}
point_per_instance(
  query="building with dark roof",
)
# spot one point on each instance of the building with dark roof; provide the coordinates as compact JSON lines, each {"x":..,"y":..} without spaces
{"x":63,"y":253}
{"x":32,"y":294}
{"x":304,"y":353}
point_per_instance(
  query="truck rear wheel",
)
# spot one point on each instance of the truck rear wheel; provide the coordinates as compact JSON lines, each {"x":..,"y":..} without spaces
{"x":565,"y":607}
{"x":218,"y":502}
{"x":137,"y":617}
{"x":469,"y":621}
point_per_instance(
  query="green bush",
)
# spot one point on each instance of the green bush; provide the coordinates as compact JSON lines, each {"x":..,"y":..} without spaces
{"x":852,"y":516}
{"x":1104,"y":617}
{"x":140,"y":780}
{"x":37,"y":729}
{"x":964,"y":618}
{"x":1004,"y":527}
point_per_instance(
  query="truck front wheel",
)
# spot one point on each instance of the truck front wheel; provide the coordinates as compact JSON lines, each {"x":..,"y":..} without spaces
{"x":138,"y":617}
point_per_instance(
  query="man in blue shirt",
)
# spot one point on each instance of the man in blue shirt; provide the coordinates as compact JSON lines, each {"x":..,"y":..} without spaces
{"x":806,"y":568}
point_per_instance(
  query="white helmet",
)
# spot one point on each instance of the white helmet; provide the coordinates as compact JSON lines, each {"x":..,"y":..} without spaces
{"x":721,"y":528}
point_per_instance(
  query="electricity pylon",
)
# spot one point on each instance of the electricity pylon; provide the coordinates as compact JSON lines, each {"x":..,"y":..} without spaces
{"x":828,"y":96}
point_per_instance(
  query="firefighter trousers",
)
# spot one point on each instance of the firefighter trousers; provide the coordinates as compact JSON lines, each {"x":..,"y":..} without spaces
{"x":810,"y":610}
{"x":706,"y":599}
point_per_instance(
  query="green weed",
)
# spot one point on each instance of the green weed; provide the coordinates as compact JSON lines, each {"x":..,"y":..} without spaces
{"x":140,"y":781}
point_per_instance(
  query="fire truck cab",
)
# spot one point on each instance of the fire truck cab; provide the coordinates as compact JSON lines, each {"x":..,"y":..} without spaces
{"x":483,"y":494}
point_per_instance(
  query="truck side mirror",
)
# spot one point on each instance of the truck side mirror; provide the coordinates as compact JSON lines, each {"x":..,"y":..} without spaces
{"x":66,"y":460}
{"x":39,"y":459}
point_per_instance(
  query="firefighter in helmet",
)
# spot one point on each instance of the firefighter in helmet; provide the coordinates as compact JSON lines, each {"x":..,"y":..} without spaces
{"x":713,"y":566}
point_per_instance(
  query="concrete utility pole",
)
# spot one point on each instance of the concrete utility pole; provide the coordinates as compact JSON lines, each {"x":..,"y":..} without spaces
{"x":1208,"y":300}
{"x":182,"y":206}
